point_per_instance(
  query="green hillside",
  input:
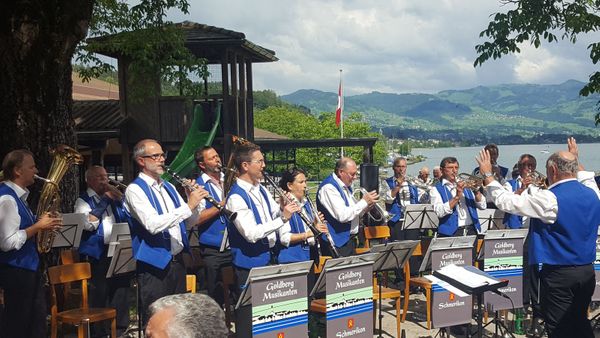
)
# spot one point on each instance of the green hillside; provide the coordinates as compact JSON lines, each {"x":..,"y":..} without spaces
{"x":473,"y":115}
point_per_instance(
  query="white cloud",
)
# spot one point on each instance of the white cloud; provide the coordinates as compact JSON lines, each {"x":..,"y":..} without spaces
{"x":388,"y":46}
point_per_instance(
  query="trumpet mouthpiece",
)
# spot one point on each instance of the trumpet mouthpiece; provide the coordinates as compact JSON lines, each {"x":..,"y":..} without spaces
{"x":42,"y":178}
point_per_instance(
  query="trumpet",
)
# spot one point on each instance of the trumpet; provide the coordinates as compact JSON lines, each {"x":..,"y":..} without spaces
{"x":472,"y":182}
{"x":230,"y":215}
{"x":415,"y":181}
{"x":377,"y":214}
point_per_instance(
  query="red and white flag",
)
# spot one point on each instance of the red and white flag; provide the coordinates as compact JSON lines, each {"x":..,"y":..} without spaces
{"x":340,"y":105}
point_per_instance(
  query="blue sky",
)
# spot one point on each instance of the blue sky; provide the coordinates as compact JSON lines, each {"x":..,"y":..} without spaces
{"x":399,"y":46}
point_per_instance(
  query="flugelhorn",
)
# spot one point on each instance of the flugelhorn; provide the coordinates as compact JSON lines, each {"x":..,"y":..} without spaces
{"x":472,"y":182}
{"x":538,"y":179}
{"x":117,"y":184}
{"x":377,"y":214}
{"x":230,"y":215}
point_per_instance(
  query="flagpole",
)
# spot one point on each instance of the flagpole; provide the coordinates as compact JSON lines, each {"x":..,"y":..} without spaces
{"x":341,"y":93}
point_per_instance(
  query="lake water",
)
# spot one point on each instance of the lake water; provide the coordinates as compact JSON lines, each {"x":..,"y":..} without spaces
{"x":589,"y":156}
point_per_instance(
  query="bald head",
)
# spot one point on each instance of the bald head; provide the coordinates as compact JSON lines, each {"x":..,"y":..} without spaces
{"x":565,"y":163}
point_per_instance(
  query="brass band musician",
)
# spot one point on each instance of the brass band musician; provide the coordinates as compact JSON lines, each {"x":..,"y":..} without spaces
{"x":20,"y":275}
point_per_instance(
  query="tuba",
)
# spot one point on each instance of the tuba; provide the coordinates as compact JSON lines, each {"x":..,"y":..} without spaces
{"x":63,"y":157}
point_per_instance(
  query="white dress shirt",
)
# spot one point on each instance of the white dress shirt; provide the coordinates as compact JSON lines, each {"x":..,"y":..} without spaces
{"x":218,"y":189}
{"x":108,"y":218}
{"x":404,"y":194}
{"x":442,"y":209}
{"x":245,"y":221}
{"x":530,"y":190}
{"x":331,"y":199}
{"x":285,"y":232}
{"x":539,"y":203}
{"x":11,"y":238}
{"x":142,"y":209}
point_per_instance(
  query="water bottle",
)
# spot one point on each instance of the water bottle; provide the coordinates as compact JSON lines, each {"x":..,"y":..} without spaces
{"x":519,"y":321}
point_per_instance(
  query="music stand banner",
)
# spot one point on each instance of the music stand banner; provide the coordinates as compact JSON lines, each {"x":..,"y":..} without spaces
{"x":350,"y":301}
{"x":596,"y":295}
{"x":280,"y":307}
{"x":504,"y":260}
{"x":448,"y":309}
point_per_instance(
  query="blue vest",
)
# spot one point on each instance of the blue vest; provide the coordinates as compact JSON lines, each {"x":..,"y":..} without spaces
{"x":571,"y":240}
{"x":245,"y":254}
{"x":396,"y":208}
{"x":513,"y":221}
{"x":154,"y":249}
{"x":449,"y":223}
{"x":340,"y":232}
{"x":211,"y":234}
{"x":92,"y":242}
{"x":297,"y":252}
{"x":26,"y":257}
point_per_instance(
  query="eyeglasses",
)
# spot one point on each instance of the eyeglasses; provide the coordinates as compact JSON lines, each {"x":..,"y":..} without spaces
{"x":351,"y":175}
{"x":257,"y":161}
{"x":155,"y":157}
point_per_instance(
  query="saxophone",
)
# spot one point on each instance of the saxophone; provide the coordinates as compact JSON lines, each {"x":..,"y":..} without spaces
{"x":62,"y":158}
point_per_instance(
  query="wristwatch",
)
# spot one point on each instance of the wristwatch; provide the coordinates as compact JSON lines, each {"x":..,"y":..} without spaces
{"x":486,"y":175}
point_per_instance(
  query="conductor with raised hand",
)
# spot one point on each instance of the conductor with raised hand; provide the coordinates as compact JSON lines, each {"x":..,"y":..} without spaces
{"x":563,"y":231}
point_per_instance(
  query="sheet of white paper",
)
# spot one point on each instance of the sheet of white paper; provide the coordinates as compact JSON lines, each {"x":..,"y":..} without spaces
{"x":446,"y":286}
{"x":466,"y":277}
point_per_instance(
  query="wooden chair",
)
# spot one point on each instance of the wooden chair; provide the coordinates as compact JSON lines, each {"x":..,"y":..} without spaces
{"x":228,"y":279}
{"x":190,"y":283}
{"x":387,"y":293}
{"x":419,"y":282}
{"x":83,"y":316}
{"x":374,"y":232}
{"x":69,"y":256}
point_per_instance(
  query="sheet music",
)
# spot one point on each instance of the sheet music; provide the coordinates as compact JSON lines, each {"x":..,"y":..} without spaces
{"x":446,"y":286}
{"x":466,"y":277}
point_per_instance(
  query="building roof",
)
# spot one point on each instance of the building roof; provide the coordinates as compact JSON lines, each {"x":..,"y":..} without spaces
{"x":211,"y":42}
{"x":94,"y":89}
{"x":97,"y":118}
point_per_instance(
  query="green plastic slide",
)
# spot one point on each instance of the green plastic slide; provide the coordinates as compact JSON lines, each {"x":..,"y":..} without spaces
{"x":184,"y":163}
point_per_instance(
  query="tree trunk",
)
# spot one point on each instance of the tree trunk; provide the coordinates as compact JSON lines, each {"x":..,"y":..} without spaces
{"x":37,"y":42}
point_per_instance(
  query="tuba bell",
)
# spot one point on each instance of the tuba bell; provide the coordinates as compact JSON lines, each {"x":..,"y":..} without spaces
{"x":63,"y":157}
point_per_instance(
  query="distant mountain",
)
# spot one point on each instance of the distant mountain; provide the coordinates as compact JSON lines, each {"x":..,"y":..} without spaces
{"x":476,"y":115}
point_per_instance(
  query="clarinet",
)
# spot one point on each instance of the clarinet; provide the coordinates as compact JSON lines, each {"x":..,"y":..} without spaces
{"x":334,"y":252}
{"x":305,"y":219}
{"x":230,"y":215}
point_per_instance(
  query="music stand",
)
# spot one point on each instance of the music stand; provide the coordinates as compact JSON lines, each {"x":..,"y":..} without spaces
{"x":69,"y":235}
{"x":120,"y":232}
{"x":491,"y":219}
{"x":445,"y":243}
{"x":279,"y":296}
{"x":122,"y":262}
{"x":420,"y":216}
{"x":358,"y":296}
{"x":473,"y":281}
{"x":390,"y":256}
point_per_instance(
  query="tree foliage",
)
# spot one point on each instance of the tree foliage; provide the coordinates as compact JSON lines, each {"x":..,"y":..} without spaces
{"x":151,"y":44}
{"x":539,"y":21}
{"x":297,"y":124}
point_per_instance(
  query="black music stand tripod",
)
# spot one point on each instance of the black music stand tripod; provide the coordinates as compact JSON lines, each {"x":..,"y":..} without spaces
{"x":390,"y":256}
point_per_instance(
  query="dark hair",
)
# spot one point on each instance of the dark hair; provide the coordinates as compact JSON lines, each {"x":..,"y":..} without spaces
{"x":199,"y":154}
{"x":524,"y":156}
{"x":490,"y":146}
{"x":13,"y":160}
{"x":243,"y":153}
{"x":447,"y":160}
{"x":289,"y":176}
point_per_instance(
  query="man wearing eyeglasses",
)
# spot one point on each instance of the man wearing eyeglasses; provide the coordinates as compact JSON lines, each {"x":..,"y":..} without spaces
{"x":252,"y":236}
{"x":455,"y":205}
{"x":342,"y":212}
{"x":158,"y":228}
